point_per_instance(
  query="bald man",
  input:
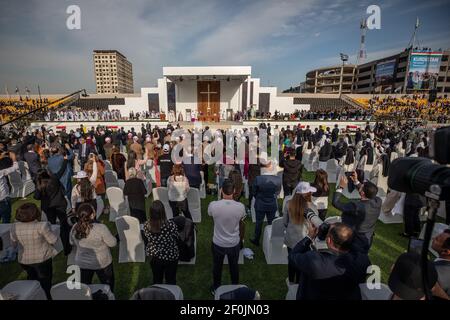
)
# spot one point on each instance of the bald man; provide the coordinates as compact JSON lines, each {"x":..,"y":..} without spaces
{"x":441,"y":244}
{"x":332,"y":274}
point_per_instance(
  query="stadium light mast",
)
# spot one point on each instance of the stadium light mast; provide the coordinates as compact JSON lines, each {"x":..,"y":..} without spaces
{"x":344,"y":59}
{"x":362,"y":55}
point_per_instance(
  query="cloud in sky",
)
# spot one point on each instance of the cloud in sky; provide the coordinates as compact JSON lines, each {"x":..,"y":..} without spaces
{"x":280,"y":39}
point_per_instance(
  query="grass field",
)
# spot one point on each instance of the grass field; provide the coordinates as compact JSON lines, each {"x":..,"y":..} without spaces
{"x":195,"y":280}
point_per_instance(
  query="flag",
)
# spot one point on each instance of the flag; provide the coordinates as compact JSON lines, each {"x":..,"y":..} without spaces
{"x":417,"y":23}
{"x":17,"y":89}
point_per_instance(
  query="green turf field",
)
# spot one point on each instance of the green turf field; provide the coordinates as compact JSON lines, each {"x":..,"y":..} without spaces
{"x":195,"y":280}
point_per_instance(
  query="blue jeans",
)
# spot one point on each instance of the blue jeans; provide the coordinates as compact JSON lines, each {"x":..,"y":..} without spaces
{"x":5,"y":210}
{"x":260,"y":220}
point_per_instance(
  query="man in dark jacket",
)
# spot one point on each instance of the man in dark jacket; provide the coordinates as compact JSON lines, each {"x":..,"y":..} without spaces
{"x":33,"y":160}
{"x":360,"y":215}
{"x":332,"y":274}
{"x":266,"y":189}
{"x":292,"y":173}
{"x":165,"y":164}
{"x":192,"y":171}
{"x":335,"y":133}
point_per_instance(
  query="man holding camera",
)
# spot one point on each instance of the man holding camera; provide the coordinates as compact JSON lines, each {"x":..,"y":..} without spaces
{"x":331,"y":274}
{"x":361,"y":215}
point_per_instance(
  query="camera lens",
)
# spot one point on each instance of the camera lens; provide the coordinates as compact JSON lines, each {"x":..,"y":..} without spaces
{"x":418,"y":175}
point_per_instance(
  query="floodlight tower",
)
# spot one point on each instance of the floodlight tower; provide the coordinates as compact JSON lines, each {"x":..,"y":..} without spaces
{"x":362,"y":55}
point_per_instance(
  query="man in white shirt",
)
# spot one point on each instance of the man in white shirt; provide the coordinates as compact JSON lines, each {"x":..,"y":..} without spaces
{"x":227,"y":215}
{"x":8,"y":164}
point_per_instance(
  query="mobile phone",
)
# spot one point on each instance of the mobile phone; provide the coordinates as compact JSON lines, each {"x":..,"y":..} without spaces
{"x":348,"y":174}
{"x":415,"y":245}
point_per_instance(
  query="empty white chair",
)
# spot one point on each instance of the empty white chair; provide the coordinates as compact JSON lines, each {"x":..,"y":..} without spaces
{"x":24,"y":172}
{"x":162,"y":195}
{"x":383,"y":293}
{"x":396,"y":214}
{"x":202,"y":187}
{"x":19,"y":188}
{"x":246,"y":189}
{"x":194,"y":203}
{"x":438,"y":228}
{"x":24,"y":290}
{"x":305,"y":156}
{"x":60,"y":291}
{"x":76,"y":163}
{"x":379,"y":180}
{"x":117,"y":204}
{"x":442,"y":210}
{"x":131,"y":244}
{"x":332,"y":169}
{"x":275,"y":251}
{"x":175,"y":290}
{"x":111,"y":179}
{"x":321,"y":203}
{"x":285,"y":204}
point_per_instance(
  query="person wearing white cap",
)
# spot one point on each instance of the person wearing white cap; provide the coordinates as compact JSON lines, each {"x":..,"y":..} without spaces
{"x":299,"y":213}
{"x":84,"y":190}
{"x":137,"y":148}
{"x":165,"y":165}
{"x":266,"y":189}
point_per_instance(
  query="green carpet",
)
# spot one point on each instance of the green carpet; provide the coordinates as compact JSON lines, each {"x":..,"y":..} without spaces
{"x":195,"y":280}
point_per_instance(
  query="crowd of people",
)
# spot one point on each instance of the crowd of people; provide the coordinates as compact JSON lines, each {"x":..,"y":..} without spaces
{"x":13,"y":108}
{"x":335,"y":273}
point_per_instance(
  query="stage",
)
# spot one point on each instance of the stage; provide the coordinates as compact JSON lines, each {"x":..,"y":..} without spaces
{"x":128,"y":125}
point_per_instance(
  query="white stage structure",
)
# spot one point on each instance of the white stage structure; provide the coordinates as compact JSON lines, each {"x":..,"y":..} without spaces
{"x":208,"y":91}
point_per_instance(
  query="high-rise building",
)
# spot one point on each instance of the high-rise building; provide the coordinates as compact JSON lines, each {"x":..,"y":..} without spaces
{"x":113,"y":72}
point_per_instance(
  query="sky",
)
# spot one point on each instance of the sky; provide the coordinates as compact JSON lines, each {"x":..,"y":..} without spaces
{"x":280,"y":39}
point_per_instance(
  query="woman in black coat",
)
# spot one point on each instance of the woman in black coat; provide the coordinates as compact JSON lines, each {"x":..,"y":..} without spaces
{"x":50,"y":192}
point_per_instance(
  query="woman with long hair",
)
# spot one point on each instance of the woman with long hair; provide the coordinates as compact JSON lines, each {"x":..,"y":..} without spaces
{"x":323,"y":189}
{"x":93,"y":242}
{"x":236,"y":177}
{"x":34,"y":240}
{"x":178,"y":188}
{"x":50,"y":192}
{"x":99,"y":184}
{"x":162,"y":244}
{"x":118,"y":162}
{"x":84,"y":190}
{"x":300,"y":213}
{"x":134,"y":162}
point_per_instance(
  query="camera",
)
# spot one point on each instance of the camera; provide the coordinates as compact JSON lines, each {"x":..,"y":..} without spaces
{"x":323,"y":227}
{"x":421,"y":175}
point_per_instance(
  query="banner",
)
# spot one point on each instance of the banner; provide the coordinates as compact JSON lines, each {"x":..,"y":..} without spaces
{"x":384,"y":75}
{"x":423,"y":70}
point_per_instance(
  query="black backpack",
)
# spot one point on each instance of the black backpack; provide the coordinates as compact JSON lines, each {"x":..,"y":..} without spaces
{"x":186,"y":232}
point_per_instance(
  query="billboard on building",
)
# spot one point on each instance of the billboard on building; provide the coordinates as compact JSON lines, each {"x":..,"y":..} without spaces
{"x":384,"y":75}
{"x":423,"y":70}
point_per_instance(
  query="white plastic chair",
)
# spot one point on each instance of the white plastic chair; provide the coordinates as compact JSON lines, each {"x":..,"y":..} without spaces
{"x":24,"y":171}
{"x":275,"y":251}
{"x":174,"y":289}
{"x":384,"y":293}
{"x":292,"y":291}
{"x":202,"y":187}
{"x":111,"y":179}
{"x":25,"y":290}
{"x":19,"y":188}
{"x":100,"y":206}
{"x":60,"y":291}
{"x":194,"y":203}
{"x":332,"y":170}
{"x":131,"y":244}
{"x":380,"y":181}
{"x":108,"y":166}
{"x":117,"y":204}
{"x":5,"y":236}
{"x":226,"y":288}
{"x":161,"y":194}
{"x":321,"y":203}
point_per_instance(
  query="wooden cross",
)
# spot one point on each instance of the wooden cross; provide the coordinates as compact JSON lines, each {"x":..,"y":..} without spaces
{"x":209,"y":92}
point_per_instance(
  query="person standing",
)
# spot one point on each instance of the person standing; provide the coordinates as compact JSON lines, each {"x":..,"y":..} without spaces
{"x":227,"y":215}
{"x":165,"y":164}
{"x":292,"y":173}
{"x":93,"y":242}
{"x":33,"y":160}
{"x":162,"y":245}
{"x":135,"y":191}
{"x":8,"y":164}
{"x":266,"y":189}
{"x":35,"y":241}
{"x":178,"y":188}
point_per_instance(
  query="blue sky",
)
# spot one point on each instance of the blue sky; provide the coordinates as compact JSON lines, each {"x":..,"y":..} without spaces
{"x":281,"y":40}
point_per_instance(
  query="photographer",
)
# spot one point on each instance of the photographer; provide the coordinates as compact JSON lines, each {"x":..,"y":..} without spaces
{"x":329,"y":274}
{"x":360,"y":215}
{"x":8,"y":164}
